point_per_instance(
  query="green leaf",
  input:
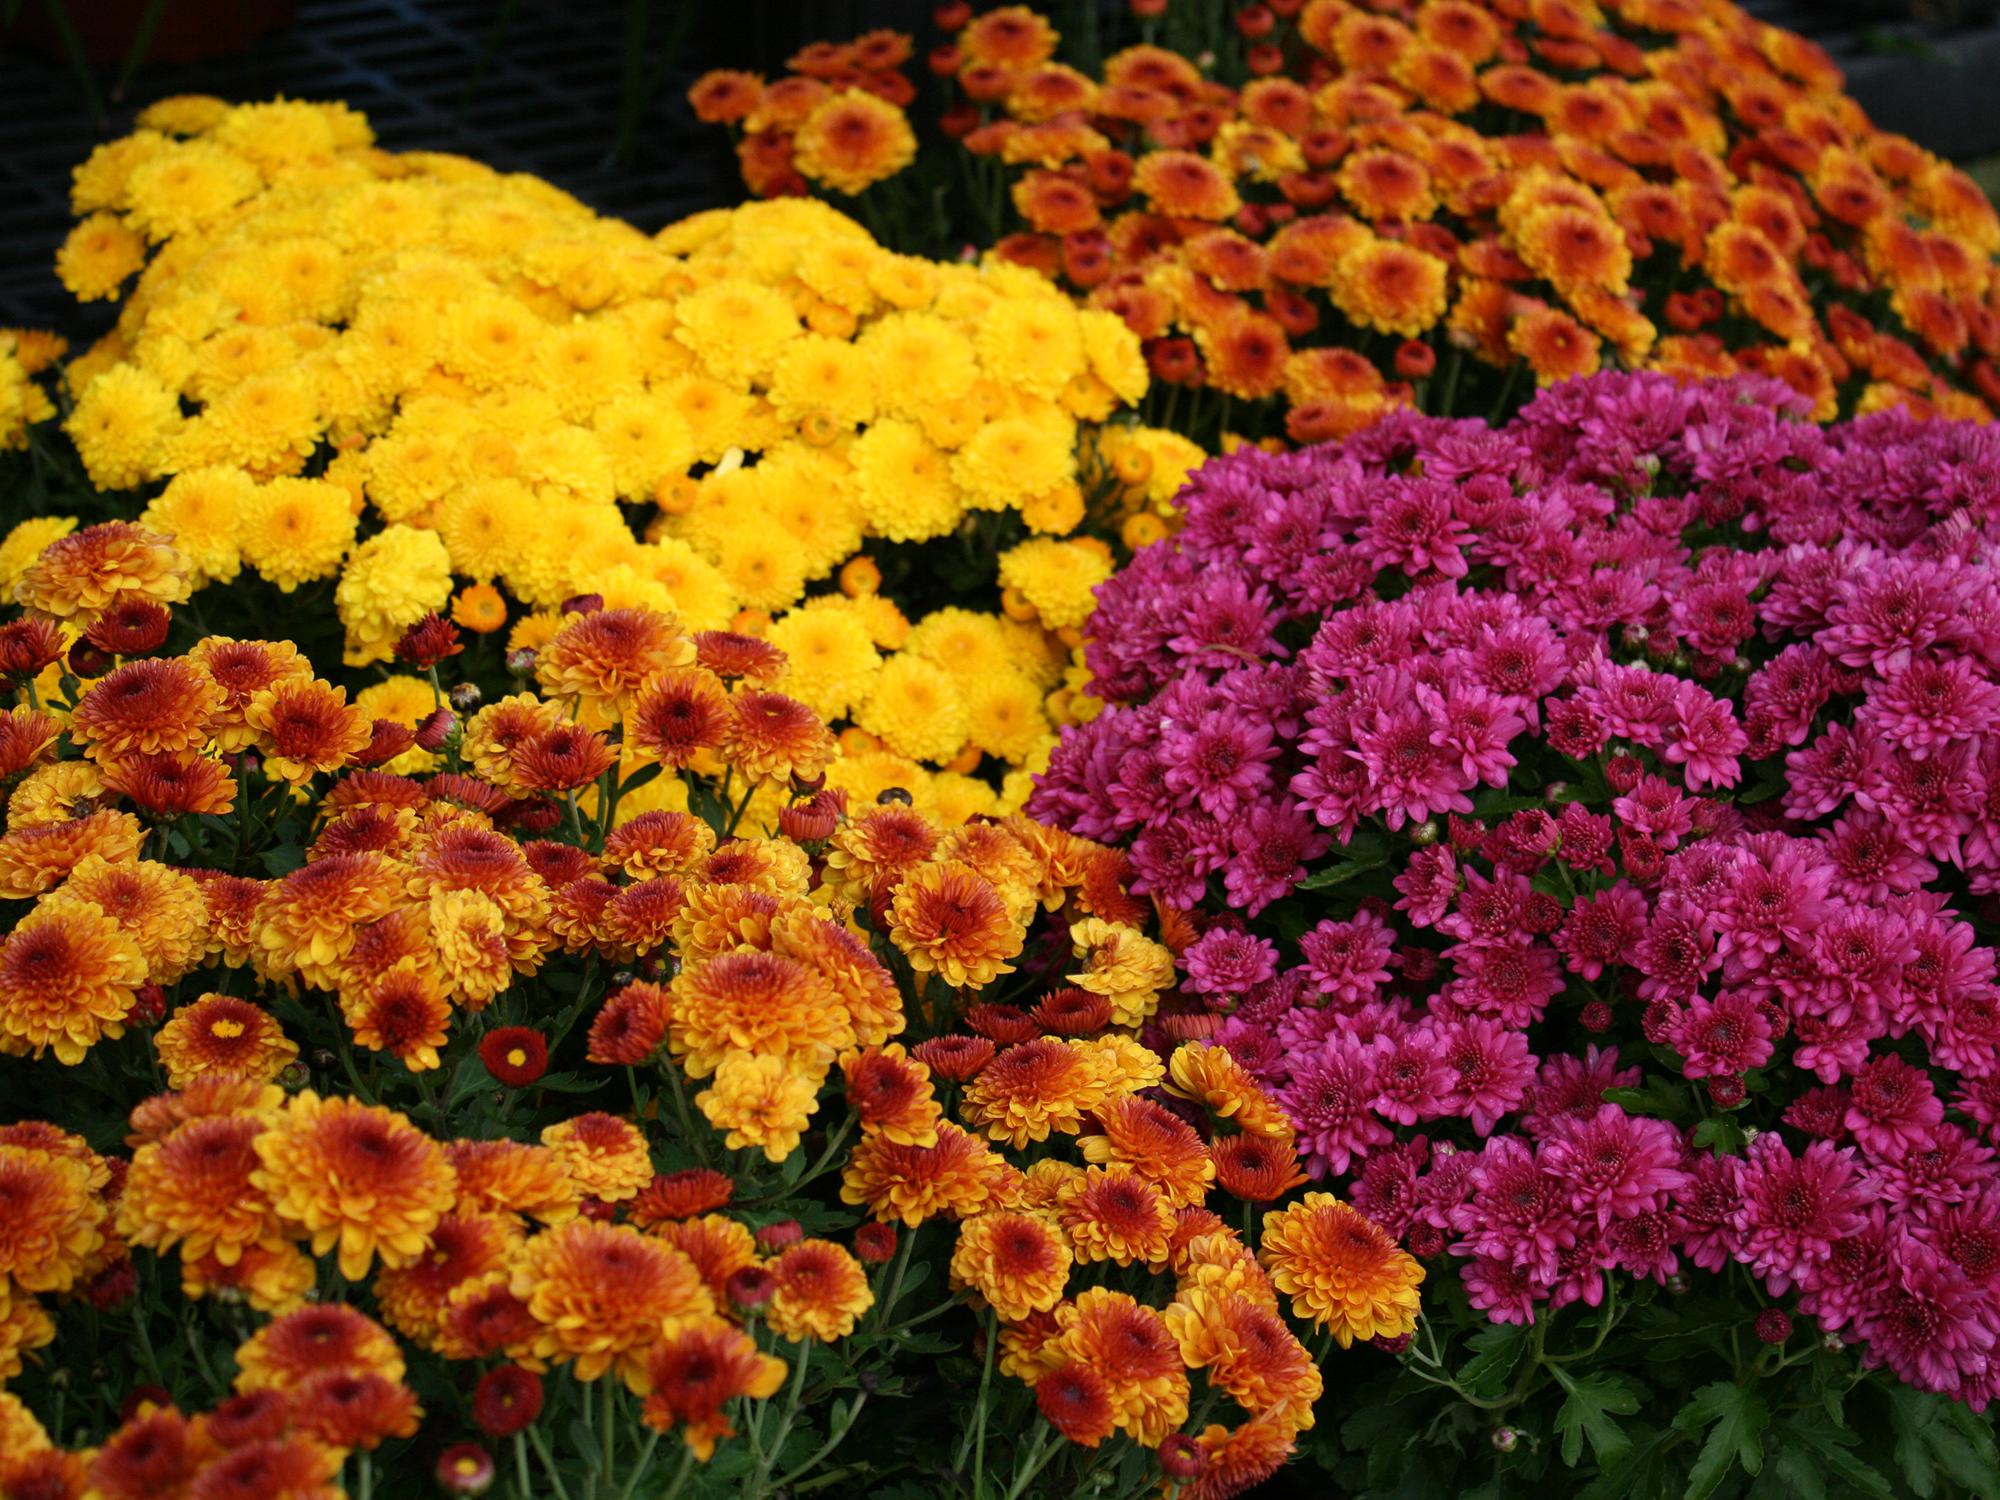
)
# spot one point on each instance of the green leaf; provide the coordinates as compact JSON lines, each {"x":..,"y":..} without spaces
{"x":1640,"y":1473}
{"x":1587,"y":1412}
{"x":1932,"y":1434}
{"x":1658,"y":1098}
{"x":638,"y":779}
{"x":1721,"y":1135}
{"x":1735,"y":1418}
{"x":1339,"y":873}
{"x":1498,"y":1348}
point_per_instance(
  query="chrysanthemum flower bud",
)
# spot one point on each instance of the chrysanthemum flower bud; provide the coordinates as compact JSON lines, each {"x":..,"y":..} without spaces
{"x":875,"y":1243}
{"x":465,"y":696}
{"x":88,"y":661}
{"x":1182,"y":1458}
{"x":751,"y":1287}
{"x":465,"y":1469}
{"x":1505,"y":1439}
{"x":777,"y":1236}
{"x":521,"y":662}
{"x":1773,"y":1326}
{"x":583,"y":604}
{"x":429,"y":642}
{"x":436,"y":728}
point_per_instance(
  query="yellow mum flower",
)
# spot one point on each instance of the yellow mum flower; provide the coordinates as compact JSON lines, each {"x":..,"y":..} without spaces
{"x":1006,"y":461}
{"x":903,"y":483}
{"x":737,"y":328}
{"x":831,"y":663}
{"x":760,"y":1100}
{"x":916,"y":708}
{"x":393,"y":580}
{"x":1122,"y":964}
{"x":98,"y":256}
{"x":296,"y":530}
{"x":1056,"y":578}
{"x":1341,"y":1270}
{"x":121,"y":426}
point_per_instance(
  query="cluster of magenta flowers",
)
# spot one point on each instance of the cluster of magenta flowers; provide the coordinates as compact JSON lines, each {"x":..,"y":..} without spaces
{"x":1586,"y":822}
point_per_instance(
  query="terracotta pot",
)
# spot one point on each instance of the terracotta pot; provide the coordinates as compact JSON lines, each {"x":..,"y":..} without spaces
{"x":189,"y":30}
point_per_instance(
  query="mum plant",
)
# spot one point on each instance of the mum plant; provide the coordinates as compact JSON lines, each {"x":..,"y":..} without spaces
{"x":1592,"y":823}
{"x":387,"y":1103}
{"x":1323,"y":211}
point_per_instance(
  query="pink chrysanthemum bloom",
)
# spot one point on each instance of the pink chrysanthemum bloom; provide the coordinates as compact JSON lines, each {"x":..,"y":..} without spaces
{"x":1330,"y":1099}
{"x":1795,"y":1208}
{"x":1892,"y":1107}
{"x":1615,"y":1165}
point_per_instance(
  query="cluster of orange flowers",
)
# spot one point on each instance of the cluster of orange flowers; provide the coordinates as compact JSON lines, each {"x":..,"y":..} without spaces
{"x":312,"y":1388}
{"x":1544,"y":185}
{"x":656,"y":813}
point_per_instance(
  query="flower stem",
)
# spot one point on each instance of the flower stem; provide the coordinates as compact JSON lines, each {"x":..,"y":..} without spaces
{"x":548,"y":1464}
{"x":1038,"y":1457}
{"x":769,"y":1456}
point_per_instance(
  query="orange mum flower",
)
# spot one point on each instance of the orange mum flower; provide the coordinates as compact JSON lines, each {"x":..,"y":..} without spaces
{"x":659,"y":843}
{"x":630,"y":1026}
{"x":692,"y":1374}
{"x":1116,"y":1214}
{"x":870,"y":854}
{"x":600,"y":1294}
{"x":890,"y":1094}
{"x":464,"y":1246}
{"x":160,"y":909}
{"x":637,"y":919}
{"x":1183,"y":185}
{"x":1016,"y":1261}
{"x":1056,"y":204}
{"x":146,"y":708}
{"x":1243,"y":1457}
{"x":401,"y":1012}
{"x":1152,"y":1141}
{"x":821,"y":1289}
{"x":1130,"y":1348}
{"x":222,"y":1034}
{"x":289,"y":1350}
{"x":155,"y":1119}
{"x":307,"y":921}
{"x":1575,"y":248}
{"x":561,"y":759}
{"x":1341,"y":1269}
{"x":51,"y":1218}
{"x":1012,"y":37}
{"x":350,"y":1409}
{"x":718,"y":1246}
{"x":194,"y":1190}
{"x":1385,"y":184}
{"x":853,"y":140}
{"x":1246,"y":1349}
{"x":145,"y":1455}
{"x":1256,"y":1168}
{"x":69,"y":976}
{"x":355,"y":1177}
{"x":304,"y":728}
{"x":681,"y":1195}
{"x":1035,"y":1088}
{"x":724,"y":96}
{"x":1555,"y":345}
{"x":243,"y":669}
{"x":1390,"y":287}
{"x":1212,"y":1078}
{"x":604,"y":1155}
{"x":754,"y":1002}
{"x":87,"y":572}
{"x":25,"y":737}
{"x":1246,"y":354}
{"x":605,"y":657}
{"x":874,"y":1005}
{"x":948,"y":919}
{"x":483,"y":1317}
{"x":172,"y":786}
{"x":1076,"y":1400}
{"x":958,"y":1176}
{"x":769,"y":734}
{"x":512,"y":1177}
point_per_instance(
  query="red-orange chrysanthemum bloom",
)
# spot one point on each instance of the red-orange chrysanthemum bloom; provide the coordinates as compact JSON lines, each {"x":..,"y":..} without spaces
{"x":1072,"y":1012}
{"x":463,"y":1246}
{"x":161,"y":909}
{"x":513,"y":1177}
{"x":355,"y":1177}
{"x":630,"y":1026}
{"x":1129,"y":1345}
{"x":731,"y":655}
{"x":349,"y":1409}
{"x":87,"y":572}
{"x":718,"y":1246}
{"x":1243,"y":1457}
{"x":955,"y":1057}
{"x":695,"y":1371}
{"x":1246,"y":355}
{"x":678,"y":715}
{"x":174,"y":785}
{"x":1341,"y":1269}
{"x":1055,"y":203}
{"x":853,"y":140}
{"x":874,"y":1005}
{"x":325,"y":1336}
{"x":146,"y":1457}
{"x":600,"y":1294}
{"x":948,"y":919}
{"x":1076,"y":1400}
{"x":1390,"y":287}
{"x":402,"y":1012}
{"x":1183,"y":185}
{"x":1154,"y":1142}
{"x":1033,"y":1089}
{"x":561,"y":759}
{"x":1011,"y":37}
{"x":1554,"y":344}
{"x":891,"y":1095}
{"x":155,"y":1119}
{"x":304,"y":728}
{"x":659,"y":843}
{"x":606,"y":656}
{"x":53,"y":1218}
{"x":605,"y":1156}
{"x":957,"y":1176}
{"x":146,"y":708}
{"x":769,"y":734}
{"x":307,"y":921}
{"x":1246,"y":1349}
{"x":69,"y":976}
{"x":1016,"y":1261}
{"x":637,"y":919}
{"x":754,"y":1002}
{"x":1383,"y":183}
{"x":821,"y":1290}
{"x":483,"y":1317}
{"x":723,"y":96}
{"x":1116,"y":1214}
{"x":872,"y":853}
{"x":243,"y":669}
{"x":194,"y":1190}
{"x":1256,"y":1169}
{"x":681,"y":1195}
{"x":25,"y":737}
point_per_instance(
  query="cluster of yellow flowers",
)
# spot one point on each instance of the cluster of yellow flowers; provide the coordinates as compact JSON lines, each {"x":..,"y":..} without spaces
{"x":419,"y":375}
